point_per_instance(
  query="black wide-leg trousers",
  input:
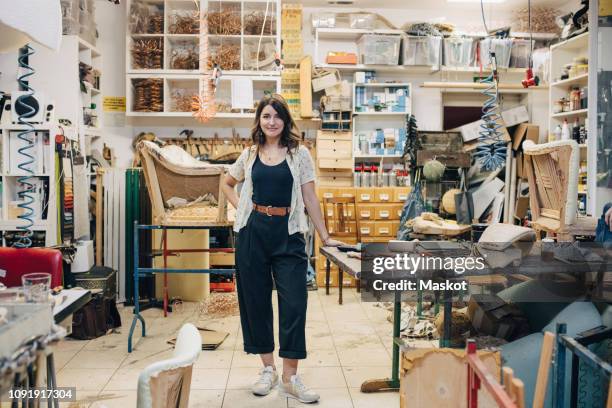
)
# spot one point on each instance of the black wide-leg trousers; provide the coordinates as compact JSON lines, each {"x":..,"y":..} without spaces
{"x":266,"y":251}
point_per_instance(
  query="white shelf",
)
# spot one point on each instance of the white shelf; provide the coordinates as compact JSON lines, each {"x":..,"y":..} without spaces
{"x":578,"y":44}
{"x":470,"y":70}
{"x":37,"y":127}
{"x":377,"y":156}
{"x":13,"y":224}
{"x":580,"y":112}
{"x":25,"y":175}
{"x":380,"y":68}
{"x":577,"y":80}
{"x":382,"y":84}
{"x":351,"y":33}
{"x":381,"y":113}
{"x":85,"y":45}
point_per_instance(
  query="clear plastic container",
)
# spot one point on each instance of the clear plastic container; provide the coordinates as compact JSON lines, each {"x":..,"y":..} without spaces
{"x":379,"y":49}
{"x":323,"y":20}
{"x":519,"y":57}
{"x":502,"y":47}
{"x":421,"y":50}
{"x":458,"y":52}
{"x":362,"y":21}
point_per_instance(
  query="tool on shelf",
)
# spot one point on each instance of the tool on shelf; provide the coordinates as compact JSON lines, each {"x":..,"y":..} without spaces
{"x":27,"y":159}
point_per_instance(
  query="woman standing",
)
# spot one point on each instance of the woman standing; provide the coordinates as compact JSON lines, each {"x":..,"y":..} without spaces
{"x":278,"y":175}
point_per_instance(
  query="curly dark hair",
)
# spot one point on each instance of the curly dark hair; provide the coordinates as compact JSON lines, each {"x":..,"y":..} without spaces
{"x":290,"y":137}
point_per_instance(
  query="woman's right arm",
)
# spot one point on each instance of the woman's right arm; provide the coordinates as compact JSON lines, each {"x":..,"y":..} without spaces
{"x":227,"y":185}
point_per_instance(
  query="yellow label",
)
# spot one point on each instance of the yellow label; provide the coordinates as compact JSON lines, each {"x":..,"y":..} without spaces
{"x":113,"y":103}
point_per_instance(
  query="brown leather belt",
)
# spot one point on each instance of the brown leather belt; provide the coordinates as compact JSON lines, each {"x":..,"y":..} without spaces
{"x":270,"y":211}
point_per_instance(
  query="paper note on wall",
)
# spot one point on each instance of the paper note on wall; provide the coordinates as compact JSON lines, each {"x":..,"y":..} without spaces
{"x":113,"y":103}
{"x":242,"y":93}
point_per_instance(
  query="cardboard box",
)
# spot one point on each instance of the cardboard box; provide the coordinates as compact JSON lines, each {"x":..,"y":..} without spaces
{"x":471,"y":132}
{"x":525,"y":131}
{"x":514,"y":116}
{"x":341,"y":58}
{"x":491,"y":315}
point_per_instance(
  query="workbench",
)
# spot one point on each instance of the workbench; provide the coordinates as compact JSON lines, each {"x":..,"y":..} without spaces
{"x":530,"y":266}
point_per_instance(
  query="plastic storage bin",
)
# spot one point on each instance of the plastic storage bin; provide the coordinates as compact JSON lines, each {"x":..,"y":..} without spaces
{"x":421,"y":50}
{"x":458,"y":52}
{"x":519,"y":57}
{"x":502,"y":48}
{"x":379,"y":49}
{"x":365,"y":21}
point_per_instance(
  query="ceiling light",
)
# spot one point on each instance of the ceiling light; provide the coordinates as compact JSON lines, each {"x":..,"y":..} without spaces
{"x":340,"y":2}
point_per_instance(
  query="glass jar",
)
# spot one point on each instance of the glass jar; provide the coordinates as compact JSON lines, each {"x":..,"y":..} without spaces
{"x":365,"y":179}
{"x":392,"y":179}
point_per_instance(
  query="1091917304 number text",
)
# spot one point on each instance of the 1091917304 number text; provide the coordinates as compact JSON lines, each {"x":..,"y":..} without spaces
{"x":64,"y":394}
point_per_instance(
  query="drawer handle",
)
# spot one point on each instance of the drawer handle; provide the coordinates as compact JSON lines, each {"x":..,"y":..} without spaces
{"x":365,"y":197}
{"x":403,"y":197}
{"x":384,"y":230}
{"x":384,"y":197}
{"x":328,"y":195}
{"x":365,"y":230}
{"x":384,"y":214}
{"x":365,"y":214}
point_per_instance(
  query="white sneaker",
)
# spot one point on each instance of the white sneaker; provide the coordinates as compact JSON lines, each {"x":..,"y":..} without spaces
{"x":267,"y":380}
{"x":297,"y":390}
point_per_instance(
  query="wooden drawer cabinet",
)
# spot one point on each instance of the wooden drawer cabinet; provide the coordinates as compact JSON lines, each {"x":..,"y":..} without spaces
{"x":383,"y":194}
{"x":329,"y":135}
{"x":330,"y":163}
{"x":341,"y":149}
{"x":365,"y":195}
{"x":400,"y":194}
{"x":383,"y":229}
{"x":366,"y":211}
{"x":385,"y":212}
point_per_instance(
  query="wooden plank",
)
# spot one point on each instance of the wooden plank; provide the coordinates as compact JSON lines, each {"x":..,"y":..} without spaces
{"x":533,"y":191}
{"x":306,"y":87}
{"x":518,"y":392}
{"x":550,"y":213}
{"x":508,"y":375}
{"x":433,"y":377}
{"x":539,"y":394}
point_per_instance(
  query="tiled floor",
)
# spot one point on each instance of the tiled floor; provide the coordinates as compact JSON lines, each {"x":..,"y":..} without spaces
{"x":346,"y":344}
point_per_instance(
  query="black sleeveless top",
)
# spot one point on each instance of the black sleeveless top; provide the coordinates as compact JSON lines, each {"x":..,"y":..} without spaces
{"x":272,"y":185}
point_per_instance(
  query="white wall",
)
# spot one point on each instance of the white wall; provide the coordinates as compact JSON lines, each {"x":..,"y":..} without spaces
{"x":111,"y":21}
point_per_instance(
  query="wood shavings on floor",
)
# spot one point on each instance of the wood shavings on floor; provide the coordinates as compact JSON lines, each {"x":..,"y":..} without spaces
{"x":219,"y":305}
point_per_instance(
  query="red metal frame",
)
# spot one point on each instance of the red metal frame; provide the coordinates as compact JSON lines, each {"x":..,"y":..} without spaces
{"x":478,"y":374}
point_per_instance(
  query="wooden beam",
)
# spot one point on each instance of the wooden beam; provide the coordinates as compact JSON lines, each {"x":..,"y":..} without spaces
{"x":539,"y":394}
{"x":306,"y":87}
